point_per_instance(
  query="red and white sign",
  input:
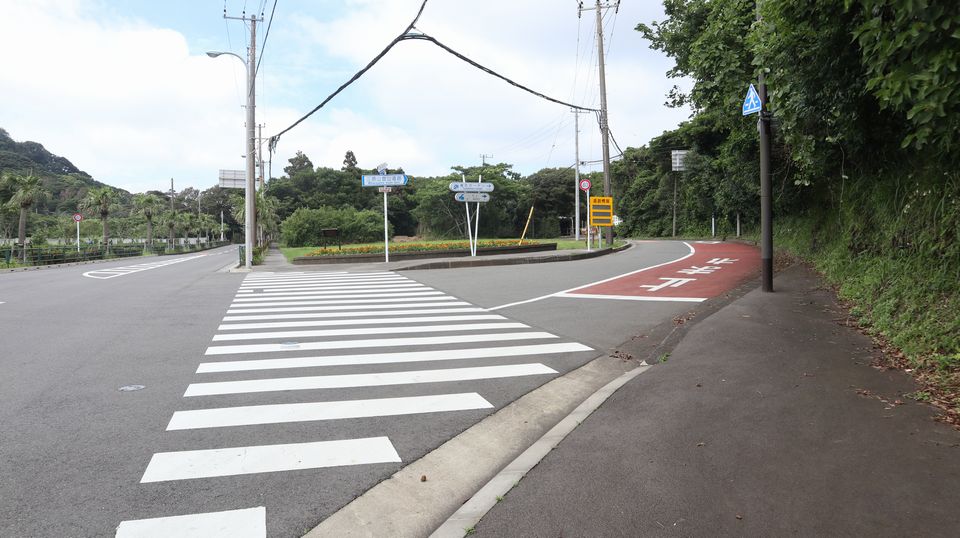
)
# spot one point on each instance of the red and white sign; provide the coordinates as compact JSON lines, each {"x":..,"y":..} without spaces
{"x":711,"y":269}
{"x":77,"y":217}
{"x":584,"y":185}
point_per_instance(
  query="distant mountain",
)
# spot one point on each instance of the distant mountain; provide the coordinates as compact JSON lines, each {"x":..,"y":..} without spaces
{"x":67,"y":183}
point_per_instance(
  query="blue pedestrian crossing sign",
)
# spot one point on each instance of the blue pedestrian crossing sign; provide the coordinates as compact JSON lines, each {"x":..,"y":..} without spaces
{"x":751,"y":103}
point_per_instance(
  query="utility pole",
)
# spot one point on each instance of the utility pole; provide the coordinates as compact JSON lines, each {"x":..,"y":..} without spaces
{"x":250,"y":209}
{"x":576,"y":181}
{"x":766,"y":188}
{"x":172,"y":193}
{"x":604,"y":124}
{"x":484,"y":157}
{"x":260,"y":153}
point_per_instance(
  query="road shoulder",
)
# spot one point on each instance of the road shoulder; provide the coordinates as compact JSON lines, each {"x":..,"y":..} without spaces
{"x":767,"y":420}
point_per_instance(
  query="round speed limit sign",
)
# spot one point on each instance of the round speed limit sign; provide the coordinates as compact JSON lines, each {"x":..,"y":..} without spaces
{"x":584,"y":185}
{"x":77,"y":217}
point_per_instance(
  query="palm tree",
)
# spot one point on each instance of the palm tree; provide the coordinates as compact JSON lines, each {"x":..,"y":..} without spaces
{"x":148,"y":205}
{"x":184,"y":225}
{"x":101,"y":200}
{"x":266,"y":216}
{"x":208,"y":224}
{"x":169,"y":219}
{"x":27,"y":190}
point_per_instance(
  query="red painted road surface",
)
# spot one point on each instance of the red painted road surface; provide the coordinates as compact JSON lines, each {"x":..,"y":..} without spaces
{"x":712,"y":269}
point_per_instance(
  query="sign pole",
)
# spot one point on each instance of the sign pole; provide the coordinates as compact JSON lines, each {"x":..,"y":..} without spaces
{"x":469,"y":229}
{"x":78,"y":236}
{"x":476,"y":226}
{"x":589,"y":225}
{"x":386,"y":238}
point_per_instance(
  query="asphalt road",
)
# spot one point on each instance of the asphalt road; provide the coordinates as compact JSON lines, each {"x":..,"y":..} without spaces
{"x":339,"y":366}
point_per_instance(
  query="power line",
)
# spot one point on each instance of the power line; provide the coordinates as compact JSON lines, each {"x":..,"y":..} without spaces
{"x":265,"y":36}
{"x":423,"y":37}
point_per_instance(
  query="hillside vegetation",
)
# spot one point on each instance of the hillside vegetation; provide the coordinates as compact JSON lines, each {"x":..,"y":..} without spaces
{"x":865,"y":104}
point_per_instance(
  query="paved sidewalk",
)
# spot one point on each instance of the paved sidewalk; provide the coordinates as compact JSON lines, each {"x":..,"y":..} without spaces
{"x":766,"y":420}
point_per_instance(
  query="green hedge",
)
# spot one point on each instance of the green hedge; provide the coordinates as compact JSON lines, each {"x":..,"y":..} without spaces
{"x":303,"y":227}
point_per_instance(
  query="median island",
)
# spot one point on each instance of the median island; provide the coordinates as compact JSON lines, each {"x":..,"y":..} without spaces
{"x":411,"y":250}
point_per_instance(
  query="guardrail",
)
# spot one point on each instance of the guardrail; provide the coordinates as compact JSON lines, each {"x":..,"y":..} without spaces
{"x":12,"y":256}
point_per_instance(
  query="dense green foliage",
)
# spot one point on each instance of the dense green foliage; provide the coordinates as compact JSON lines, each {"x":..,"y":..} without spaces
{"x":865,"y":101}
{"x":43,"y":211}
{"x":304,"y":227}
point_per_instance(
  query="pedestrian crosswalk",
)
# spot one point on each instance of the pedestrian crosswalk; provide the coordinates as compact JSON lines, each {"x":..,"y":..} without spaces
{"x":282,"y":334}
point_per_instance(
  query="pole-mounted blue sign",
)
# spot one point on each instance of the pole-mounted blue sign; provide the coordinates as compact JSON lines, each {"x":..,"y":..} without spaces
{"x":751,"y":103}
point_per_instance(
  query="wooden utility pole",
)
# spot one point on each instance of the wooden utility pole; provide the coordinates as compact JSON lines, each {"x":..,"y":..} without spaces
{"x":604,"y":124}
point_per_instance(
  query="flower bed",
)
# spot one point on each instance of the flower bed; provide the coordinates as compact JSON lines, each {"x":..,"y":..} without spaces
{"x":406,"y":251}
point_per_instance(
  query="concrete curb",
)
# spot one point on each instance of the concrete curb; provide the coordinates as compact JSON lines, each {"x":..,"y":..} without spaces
{"x":493,"y":492}
{"x":453,"y":264}
{"x":400,"y":256}
{"x":418,"y":498}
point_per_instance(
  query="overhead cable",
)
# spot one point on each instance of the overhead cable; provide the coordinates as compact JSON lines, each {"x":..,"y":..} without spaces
{"x":265,"y":36}
{"x":423,"y":37}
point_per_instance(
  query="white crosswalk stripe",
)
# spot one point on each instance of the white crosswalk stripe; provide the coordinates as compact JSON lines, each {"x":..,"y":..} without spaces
{"x":207,"y":463}
{"x":366,"y":380}
{"x":370,"y":323}
{"x":245,"y":523}
{"x":300,"y":412}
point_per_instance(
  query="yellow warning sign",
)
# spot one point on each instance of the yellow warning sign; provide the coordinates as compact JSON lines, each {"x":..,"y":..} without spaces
{"x":601,"y":211}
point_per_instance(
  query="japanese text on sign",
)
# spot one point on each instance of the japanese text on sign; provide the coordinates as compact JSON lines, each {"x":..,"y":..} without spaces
{"x":601,"y":211}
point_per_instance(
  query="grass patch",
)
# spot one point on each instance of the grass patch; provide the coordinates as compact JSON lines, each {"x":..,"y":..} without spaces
{"x":894,"y":256}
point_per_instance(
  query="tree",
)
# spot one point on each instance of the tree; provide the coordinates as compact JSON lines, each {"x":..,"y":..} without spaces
{"x":27,"y":190}
{"x":102,"y":200}
{"x":298,"y":163}
{"x":169,"y":219}
{"x":349,"y":162}
{"x":149,"y":206}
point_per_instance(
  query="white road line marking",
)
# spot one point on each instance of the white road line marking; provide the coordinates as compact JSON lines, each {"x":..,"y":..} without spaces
{"x":300,"y":301}
{"x":375,"y":379}
{"x":246,"y":523}
{"x":390,"y":358}
{"x":376,"y":342}
{"x":347,"y":304}
{"x":379,"y":312}
{"x":320,"y":283}
{"x":312,"y":411}
{"x":370,"y":330}
{"x":308,"y":280}
{"x":338,"y":278}
{"x":342,"y":322}
{"x":324,"y":282}
{"x":340,"y":289}
{"x":191,"y":464}
{"x":631,"y":297}
{"x":367,"y":292}
{"x":508,"y":305}
{"x":120,"y":271}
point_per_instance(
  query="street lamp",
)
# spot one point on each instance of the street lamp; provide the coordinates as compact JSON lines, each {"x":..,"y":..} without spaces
{"x":249,"y":194}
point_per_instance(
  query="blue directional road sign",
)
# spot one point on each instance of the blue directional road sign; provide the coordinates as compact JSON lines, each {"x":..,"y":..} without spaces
{"x":751,"y":103}
{"x":384,"y":180}
{"x":463,"y":186}
{"x":471,"y":197}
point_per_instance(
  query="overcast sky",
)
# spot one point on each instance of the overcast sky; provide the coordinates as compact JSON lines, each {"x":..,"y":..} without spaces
{"x":125,"y":91}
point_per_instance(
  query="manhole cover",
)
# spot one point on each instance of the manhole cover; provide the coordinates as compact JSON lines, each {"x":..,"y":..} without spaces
{"x":131,"y":388}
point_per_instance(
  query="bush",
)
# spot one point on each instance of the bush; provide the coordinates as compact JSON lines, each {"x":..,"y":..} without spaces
{"x":303,"y":227}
